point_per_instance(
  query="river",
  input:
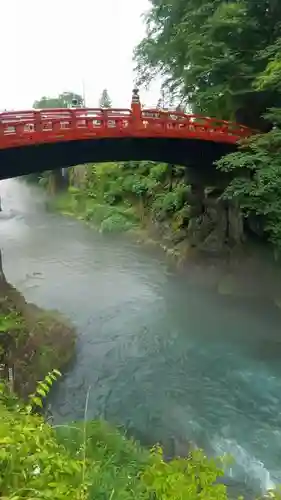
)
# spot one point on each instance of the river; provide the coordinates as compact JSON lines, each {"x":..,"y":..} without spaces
{"x":163,"y":355}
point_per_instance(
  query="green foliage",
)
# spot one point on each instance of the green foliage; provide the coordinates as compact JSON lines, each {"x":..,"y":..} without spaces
{"x":32,"y":341}
{"x":32,"y":463}
{"x":64,"y":100}
{"x":182,"y":478}
{"x":42,"y":390}
{"x":258,"y":187}
{"x":74,"y":190}
{"x":115,"y":223}
{"x":132,"y":472}
{"x":90,"y":460}
{"x":103,"y":182}
{"x":64,"y":203}
{"x":98,"y":213}
{"x":170,"y":202}
{"x":11,"y":321}
{"x":223,"y":57}
{"x":139,"y":185}
{"x":114,"y":462}
{"x":10,"y":326}
{"x":210,"y":52}
{"x":116,"y":196}
{"x":105,"y":101}
{"x":271,"y":76}
{"x":159,"y":171}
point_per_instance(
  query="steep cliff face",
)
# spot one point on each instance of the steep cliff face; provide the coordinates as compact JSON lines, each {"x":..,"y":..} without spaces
{"x":214,"y":224}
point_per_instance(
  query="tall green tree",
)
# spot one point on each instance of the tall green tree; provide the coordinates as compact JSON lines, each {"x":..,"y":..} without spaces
{"x":64,"y":100}
{"x":105,"y":101}
{"x":257,"y":164}
{"x":211,"y":52}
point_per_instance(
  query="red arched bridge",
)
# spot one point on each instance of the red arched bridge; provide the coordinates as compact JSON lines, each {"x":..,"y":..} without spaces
{"x":37,"y":140}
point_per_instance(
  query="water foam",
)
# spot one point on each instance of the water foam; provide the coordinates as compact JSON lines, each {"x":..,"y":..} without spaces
{"x":246,"y":467}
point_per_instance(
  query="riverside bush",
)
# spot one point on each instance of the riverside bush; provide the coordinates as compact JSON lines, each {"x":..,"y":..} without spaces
{"x":169,"y":202}
{"x":115,"y":223}
{"x":116,"y":197}
{"x":32,"y":462}
{"x":91,"y":460}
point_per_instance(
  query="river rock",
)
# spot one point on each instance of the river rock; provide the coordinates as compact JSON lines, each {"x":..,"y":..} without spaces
{"x":235,"y":224}
{"x":214,"y":243}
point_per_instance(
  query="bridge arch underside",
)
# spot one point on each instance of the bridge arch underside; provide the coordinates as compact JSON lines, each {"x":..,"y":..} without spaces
{"x":192,"y":153}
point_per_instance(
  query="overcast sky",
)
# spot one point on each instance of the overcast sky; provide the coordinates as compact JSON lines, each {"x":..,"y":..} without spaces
{"x":48,"y":47}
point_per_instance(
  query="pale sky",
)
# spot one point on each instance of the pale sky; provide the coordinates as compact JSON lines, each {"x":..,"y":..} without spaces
{"x":48,"y":47}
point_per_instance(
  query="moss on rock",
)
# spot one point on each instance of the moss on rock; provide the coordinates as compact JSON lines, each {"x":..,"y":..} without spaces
{"x":32,"y":341}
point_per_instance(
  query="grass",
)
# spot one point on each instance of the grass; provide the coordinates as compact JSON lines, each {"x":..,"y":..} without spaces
{"x":114,"y":463}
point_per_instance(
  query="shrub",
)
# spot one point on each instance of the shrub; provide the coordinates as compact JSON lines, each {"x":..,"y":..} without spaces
{"x":183,"y":478}
{"x":92,"y":460}
{"x":170,"y":202}
{"x":115,"y":223}
{"x":32,"y":462}
{"x":97,"y":212}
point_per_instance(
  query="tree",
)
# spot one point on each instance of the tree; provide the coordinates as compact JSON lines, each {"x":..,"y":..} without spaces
{"x":224,"y":58}
{"x":211,"y":53}
{"x":64,"y":100}
{"x":105,"y":101}
{"x":259,"y":191}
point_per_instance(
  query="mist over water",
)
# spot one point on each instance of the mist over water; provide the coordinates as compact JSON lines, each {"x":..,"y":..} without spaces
{"x":163,"y":354}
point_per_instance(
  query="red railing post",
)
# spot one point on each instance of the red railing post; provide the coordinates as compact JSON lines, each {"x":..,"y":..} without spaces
{"x":136,"y":109}
{"x":37,"y":122}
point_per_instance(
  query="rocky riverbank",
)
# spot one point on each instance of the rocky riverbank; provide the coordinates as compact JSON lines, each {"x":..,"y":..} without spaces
{"x":32,"y":341}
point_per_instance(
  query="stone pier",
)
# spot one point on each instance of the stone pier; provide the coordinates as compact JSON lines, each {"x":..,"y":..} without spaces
{"x":215,"y":224}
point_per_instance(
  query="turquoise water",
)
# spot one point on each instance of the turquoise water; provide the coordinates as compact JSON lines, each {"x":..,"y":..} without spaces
{"x":163,"y":355}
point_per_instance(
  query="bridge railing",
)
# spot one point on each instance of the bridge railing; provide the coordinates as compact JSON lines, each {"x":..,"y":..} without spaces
{"x":193,"y":123}
{"x":51,"y":125}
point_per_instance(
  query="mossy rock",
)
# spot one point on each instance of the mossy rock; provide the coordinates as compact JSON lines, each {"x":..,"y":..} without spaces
{"x":41,"y":340}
